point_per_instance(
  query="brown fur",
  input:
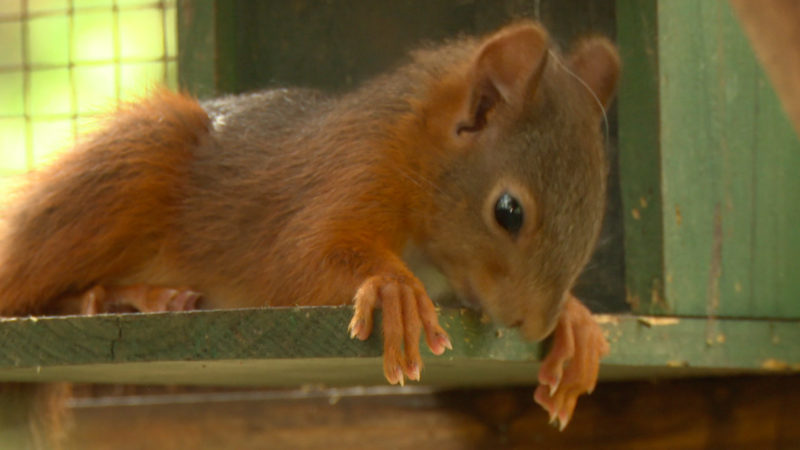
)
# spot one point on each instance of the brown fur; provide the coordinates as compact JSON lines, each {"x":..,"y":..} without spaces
{"x":100,"y":210}
{"x":293,"y":197}
{"x":290,"y":196}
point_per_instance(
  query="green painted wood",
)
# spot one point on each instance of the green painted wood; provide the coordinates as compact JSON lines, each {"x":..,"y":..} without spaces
{"x":775,"y":257}
{"x":235,"y":46}
{"x":197,"y":42}
{"x":640,"y":155}
{"x":300,"y":346}
{"x":730,"y":160}
{"x":210,"y":44}
{"x":708,"y":165}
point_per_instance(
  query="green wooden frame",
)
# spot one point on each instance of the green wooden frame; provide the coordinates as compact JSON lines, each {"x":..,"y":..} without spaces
{"x":709,"y":168}
{"x":297,"y":346}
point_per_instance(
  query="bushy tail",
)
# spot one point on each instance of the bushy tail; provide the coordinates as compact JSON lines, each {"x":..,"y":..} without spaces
{"x":96,"y":213}
{"x":102,"y":208}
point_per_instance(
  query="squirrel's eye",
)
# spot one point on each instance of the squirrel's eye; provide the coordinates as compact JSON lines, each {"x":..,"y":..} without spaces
{"x":508,"y":213}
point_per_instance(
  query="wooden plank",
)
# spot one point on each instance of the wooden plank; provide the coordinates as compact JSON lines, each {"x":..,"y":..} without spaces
{"x":775,"y":218}
{"x":339,"y":43}
{"x":746,"y":412}
{"x":197,"y":44}
{"x":729,"y":157}
{"x":707,"y":124}
{"x":771,"y":26}
{"x":640,"y":155}
{"x":710,"y":193}
{"x":297,"y":346}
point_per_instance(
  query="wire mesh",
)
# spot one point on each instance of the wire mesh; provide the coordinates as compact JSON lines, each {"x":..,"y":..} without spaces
{"x":65,"y":62}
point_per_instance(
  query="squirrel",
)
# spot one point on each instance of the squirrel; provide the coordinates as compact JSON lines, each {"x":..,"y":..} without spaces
{"x":485,"y":153}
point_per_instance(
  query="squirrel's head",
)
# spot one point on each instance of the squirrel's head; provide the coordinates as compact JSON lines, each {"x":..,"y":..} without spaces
{"x":521,"y":168}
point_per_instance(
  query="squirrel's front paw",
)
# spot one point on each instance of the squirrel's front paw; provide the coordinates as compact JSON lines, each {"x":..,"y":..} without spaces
{"x":406,"y":310}
{"x":571,"y":367}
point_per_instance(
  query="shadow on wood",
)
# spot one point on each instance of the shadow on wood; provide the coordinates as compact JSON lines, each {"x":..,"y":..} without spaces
{"x":746,"y":412}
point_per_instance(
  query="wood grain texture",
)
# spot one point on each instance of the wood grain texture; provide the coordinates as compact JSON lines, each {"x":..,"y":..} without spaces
{"x":197,"y":44}
{"x":308,"y":346}
{"x":771,"y":26}
{"x":729,"y":166}
{"x":640,"y":156}
{"x":708,"y":158}
{"x":737,"y":413}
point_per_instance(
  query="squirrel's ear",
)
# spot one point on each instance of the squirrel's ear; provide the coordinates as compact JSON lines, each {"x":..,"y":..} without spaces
{"x":596,"y":62}
{"x":506,"y":70}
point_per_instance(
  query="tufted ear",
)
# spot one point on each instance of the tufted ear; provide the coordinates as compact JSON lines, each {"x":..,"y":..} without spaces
{"x":506,"y":69}
{"x":596,"y":61}
{"x":500,"y":72}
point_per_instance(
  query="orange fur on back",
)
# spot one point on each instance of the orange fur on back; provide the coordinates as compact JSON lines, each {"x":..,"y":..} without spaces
{"x":483,"y":153}
{"x":128,"y":172}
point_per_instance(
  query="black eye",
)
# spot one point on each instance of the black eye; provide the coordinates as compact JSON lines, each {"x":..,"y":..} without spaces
{"x":508,"y":213}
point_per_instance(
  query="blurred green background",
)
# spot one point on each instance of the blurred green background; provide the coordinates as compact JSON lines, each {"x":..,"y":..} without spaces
{"x":63,"y":63}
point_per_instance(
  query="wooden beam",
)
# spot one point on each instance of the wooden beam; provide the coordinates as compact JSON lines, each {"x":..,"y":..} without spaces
{"x":746,"y":412}
{"x":299,"y":346}
{"x":638,"y":108}
{"x":707,"y":160}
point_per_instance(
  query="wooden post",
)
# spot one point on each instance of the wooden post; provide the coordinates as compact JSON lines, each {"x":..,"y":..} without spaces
{"x":709,"y":167}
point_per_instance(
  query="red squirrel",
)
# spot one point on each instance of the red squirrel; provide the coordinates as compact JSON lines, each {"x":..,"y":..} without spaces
{"x":484,"y":153}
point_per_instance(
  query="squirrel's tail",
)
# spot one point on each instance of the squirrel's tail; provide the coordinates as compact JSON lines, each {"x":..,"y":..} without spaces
{"x":102,"y":208}
{"x":96,"y":213}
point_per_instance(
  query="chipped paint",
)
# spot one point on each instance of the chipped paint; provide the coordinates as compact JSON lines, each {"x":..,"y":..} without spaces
{"x":606,"y":319}
{"x":643,"y":202}
{"x":632,"y":299}
{"x":635,"y":214}
{"x":677,"y":363}
{"x":656,"y":298}
{"x":654,"y":321}
{"x":678,"y":216}
{"x":774,"y":364}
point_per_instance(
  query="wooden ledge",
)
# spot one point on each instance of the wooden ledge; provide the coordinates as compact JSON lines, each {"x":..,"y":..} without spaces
{"x":310,"y":346}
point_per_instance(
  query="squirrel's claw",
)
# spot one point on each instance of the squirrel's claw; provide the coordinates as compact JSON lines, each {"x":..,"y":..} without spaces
{"x":407,"y":310}
{"x":572,"y":364}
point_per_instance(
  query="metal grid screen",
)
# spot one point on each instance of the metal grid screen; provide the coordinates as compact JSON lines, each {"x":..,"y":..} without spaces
{"x":63,"y":62}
